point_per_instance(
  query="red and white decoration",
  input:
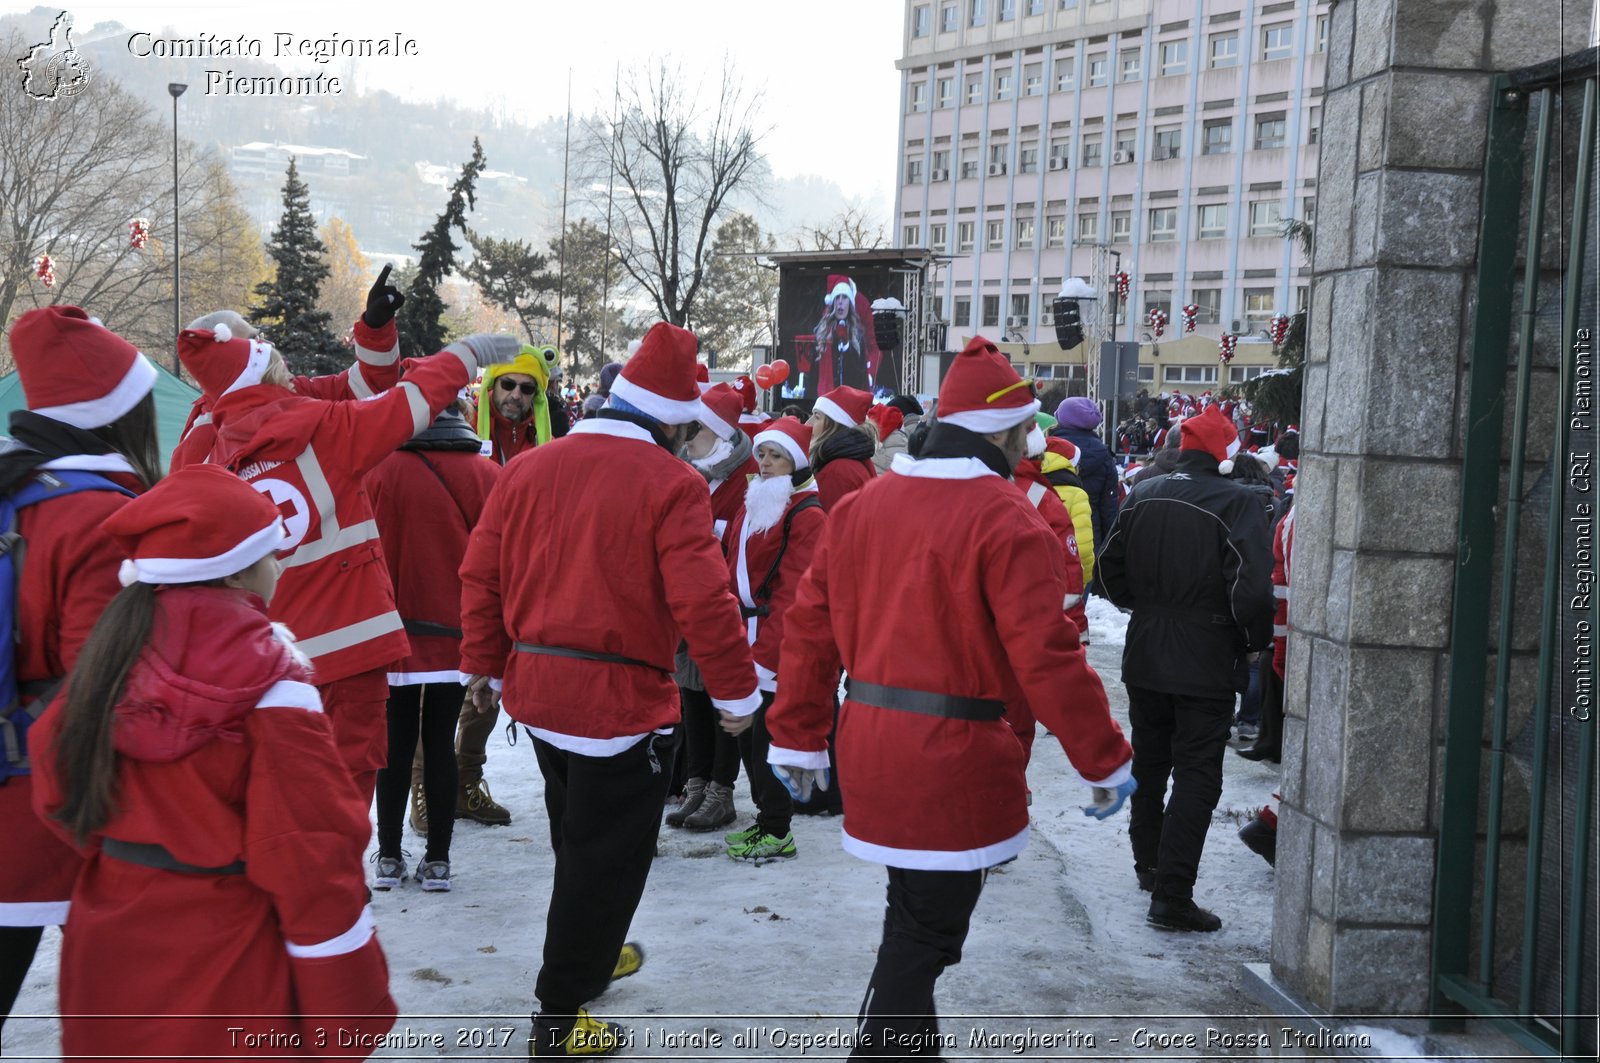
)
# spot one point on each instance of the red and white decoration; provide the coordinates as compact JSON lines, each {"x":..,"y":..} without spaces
{"x":44,"y":268}
{"x":138,"y":233}
{"x":1226,"y":345}
{"x":1191,"y":314}
{"x":1123,"y":283}
{"x":1158,"y":321}
{"x":1278,"y":329}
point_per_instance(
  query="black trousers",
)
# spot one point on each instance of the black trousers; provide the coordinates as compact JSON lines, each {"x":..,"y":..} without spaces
{"x":605,"y":815}
{"x":17,"y":947}
{"x":431,"y":710}
{"x":709,"y":752}
{"x":1183,"y":739}
{"x":924,"y":927}
{"x":1269,"y":739}
{"x":774,"y":806}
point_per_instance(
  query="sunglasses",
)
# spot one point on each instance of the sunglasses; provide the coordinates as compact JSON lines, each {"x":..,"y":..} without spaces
{"x":509,"y":386}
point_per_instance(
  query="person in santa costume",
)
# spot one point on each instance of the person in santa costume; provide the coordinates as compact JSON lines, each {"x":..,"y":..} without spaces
{"x":582,"y":652}
{"x":426,"y":498}
{"x":842,"y":443}
{"x":751,"y":419}
{"x":1190,"y":555}
{"x":723,"y":454}
{"x":845,"y":345}
{"x":769,"y":545}
{"x":311,"y":456}
{"x":189,"y":758}
{"x":372,"y":373}
{"x":90,"y":420}
{"x":933,"y":776}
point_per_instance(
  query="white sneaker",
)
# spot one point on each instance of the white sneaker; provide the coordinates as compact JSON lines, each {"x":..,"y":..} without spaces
{"x":391,"y":872}
{"x":434,"y":876}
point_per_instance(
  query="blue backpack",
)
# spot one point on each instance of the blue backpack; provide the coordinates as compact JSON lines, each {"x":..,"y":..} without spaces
{"x":15,"y":719}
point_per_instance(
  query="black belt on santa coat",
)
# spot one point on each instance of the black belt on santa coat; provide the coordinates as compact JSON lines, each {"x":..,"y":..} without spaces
{"x":149,"y":854}
{"x":586,"y":655}
{"x":949,"y":706}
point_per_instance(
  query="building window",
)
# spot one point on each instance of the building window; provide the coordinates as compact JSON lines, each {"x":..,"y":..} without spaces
{"x":1266,"y":217}
{"x":1028,"y":157}
{"x":1270,"y":133}
{"x":947,"y":92}
{"x":1124,"y":145}
{"x":1302,"y":298}
{"x":1174,"y":57}
{"x":1191,"y":374}
{"x":919,"y":96}
{"x":1121,"y":226}
{"x":969,"y":163}
{"x":1097,"y":70}
{"x":1168,"y":143}
{"x":1219,"y":137}
{"x":1276,"y":42}
{"x":921,"y":20}
{"x":1163,"y":224}
{"x":1057,"y":371}
{"x":1147,"y":374}
{"x":1314,"y":125}
{"x":1322,"y":34}
{"x":941,"y":164}
{"x":1066,"y":79}
{"x":1156,"y":300}
{"x":1130,"y":65}
{"x":1024,"y":235}
{"x":991,"y":311}
{"x":1060,"y":152}
{"x":1002,"y":84}
{"x":1258,"y":308}
{"x":1224,"y":49}
{"x":999,"y":155}
{"x":1213,"y":221}
{"x":938,"y":232}
{"x":974,"y":88}
{"x":1308,"y":210}
{"x":994,"y":236}
{"x":1209,"y":300}
{"x":1088,"y":228}
{"x":1021,"y":314}
{"x":1033,"y":79}
{"x":948,"y":19}
{"x":1068,"y":5}
{"x":910,"y":236}
{"x":1055,"y":230}
{"x":1238,"y":374}
{"x":1091,"y":149}
{"x":964,"y":235}
{"x":962,"y":311}
{"x":1035,"y":7}
{"x":975,"y":12}
{"x":914,"y":169}
{"x":1008,"y":10}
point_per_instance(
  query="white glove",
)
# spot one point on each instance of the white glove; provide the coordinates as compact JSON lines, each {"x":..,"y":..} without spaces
{"x":487,"y":348}
{"x":800,"y":781}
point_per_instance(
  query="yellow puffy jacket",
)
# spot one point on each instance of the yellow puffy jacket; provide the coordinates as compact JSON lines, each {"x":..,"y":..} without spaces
{"x":1063,"y":476}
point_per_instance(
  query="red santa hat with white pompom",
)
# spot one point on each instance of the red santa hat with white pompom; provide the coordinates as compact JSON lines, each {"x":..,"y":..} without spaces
{"x":1214,"y":434}
{"x":222,"y":362}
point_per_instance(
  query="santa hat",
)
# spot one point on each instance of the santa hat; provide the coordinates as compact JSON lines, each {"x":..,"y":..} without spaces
{"x":75,"y":370}
{"x":1063,"y":448}
{"x":747,"y":393}
{"x":848,"y":406}
{"x":702,"y":377}
{"x":200,"y":523}
{"x":221,"y":361}
{"x":982,"y":393}
{"x":839,"y":284}
{"x":722,"y":406}
{"x":887,"y":418}
{"x":658,"y":380}
{"x":1214,"y":434}
{"x":792,"y":437}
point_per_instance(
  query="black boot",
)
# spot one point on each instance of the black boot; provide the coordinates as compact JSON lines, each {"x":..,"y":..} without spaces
{"x":1181,"y":914}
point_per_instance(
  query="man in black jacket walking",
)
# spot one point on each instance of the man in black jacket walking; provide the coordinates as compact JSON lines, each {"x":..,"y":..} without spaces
{"x":1190,"y":553}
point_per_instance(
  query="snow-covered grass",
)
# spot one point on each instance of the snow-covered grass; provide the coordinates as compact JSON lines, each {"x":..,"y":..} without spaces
{"x":1058,"y":949}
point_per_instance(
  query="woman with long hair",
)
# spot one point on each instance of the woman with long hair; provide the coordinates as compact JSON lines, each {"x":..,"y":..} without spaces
{"x":222,"y":894}
{"x":845,"y":352}
{"x":843,"y":442}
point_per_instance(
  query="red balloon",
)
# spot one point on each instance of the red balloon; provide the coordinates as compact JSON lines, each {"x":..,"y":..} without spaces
{"x":764,"y":376}
{"x":780,"y":371}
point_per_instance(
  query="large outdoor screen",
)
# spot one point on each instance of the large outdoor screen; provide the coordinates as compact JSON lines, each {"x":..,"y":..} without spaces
{"x":826,"y":333}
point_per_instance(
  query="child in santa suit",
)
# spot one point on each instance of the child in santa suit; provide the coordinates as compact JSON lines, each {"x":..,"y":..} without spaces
{"x":189,"y":758}
{"x":769,"y":545}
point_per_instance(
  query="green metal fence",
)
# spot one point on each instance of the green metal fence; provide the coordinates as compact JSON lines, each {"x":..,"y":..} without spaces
{"x":1515,"y":894}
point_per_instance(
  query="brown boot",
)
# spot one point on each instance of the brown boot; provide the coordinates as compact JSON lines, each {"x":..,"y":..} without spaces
{"x":694,"y":794}
{"x":473,"y":802}
{"x":715,"y":811}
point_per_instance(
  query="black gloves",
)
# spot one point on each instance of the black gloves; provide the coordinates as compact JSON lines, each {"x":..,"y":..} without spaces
{"x":382,"y":301}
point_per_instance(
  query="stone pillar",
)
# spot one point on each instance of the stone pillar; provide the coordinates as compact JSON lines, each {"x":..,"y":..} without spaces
{"x":1405,"y":120}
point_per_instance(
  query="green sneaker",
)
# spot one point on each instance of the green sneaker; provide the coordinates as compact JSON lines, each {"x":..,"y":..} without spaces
{"x":764,"y":847}
{"x":741,"y":837}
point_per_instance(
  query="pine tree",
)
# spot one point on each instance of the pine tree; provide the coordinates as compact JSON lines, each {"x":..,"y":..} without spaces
{"x":287,"y":313}
{"x":421,"y":318}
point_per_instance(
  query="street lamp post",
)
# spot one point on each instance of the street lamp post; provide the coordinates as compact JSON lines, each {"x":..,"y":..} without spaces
{"x":177,"y":275}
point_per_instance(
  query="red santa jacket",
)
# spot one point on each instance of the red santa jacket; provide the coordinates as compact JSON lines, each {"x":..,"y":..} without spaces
{"x":372,"y":373}
{"x":980,"y":599}
{"x":624,"y":563}
{"x":223,"y":757}
{"x":68,"y":575}
{"x":310,"y":457}
{"x":840,"y":477}
{"x":1041,"y":492}
{"x":750,"y":557}
{"x":426,"y":503}
{"x":727,"y":496}
{"x":1282,"y":567}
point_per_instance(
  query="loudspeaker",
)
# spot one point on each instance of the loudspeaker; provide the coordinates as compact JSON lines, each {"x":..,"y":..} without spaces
{"x":1069,"y":323}
{"x":886,"y":323}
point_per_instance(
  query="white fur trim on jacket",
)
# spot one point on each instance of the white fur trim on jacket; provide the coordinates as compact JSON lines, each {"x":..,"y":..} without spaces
{"x":940,"y":468}
{"x":349,"y":941}
{"x":936,"y":859}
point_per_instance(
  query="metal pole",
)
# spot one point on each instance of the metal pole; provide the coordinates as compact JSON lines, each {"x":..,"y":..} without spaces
{"x":177,"y":274}
{"x":561,"y":248}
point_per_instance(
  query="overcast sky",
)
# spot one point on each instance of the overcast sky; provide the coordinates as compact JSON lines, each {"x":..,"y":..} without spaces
{"x":827,"y":73}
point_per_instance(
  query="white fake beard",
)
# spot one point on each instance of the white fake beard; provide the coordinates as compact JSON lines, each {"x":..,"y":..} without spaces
{"x":765,"y":502}
{"x":719,"y":454}
{"x":1036,"y":442}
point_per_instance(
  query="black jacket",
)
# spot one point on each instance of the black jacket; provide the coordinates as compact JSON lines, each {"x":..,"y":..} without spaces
{"x":1191,"y":554}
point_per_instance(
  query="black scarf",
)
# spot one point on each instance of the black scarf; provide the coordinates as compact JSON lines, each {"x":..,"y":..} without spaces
{"x":653,"y":427}
{"x":946,"y":440}
{"x":846,"y":444}
{"x":39,"y":439}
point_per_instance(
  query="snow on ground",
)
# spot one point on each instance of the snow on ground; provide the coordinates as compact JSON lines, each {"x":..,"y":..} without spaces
{"x":1058,"y":952}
